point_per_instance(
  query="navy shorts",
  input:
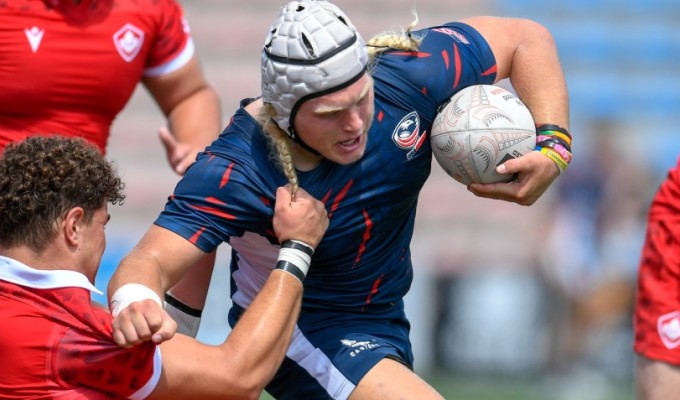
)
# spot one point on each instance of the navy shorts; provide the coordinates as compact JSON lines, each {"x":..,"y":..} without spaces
{"x":330,"y":353}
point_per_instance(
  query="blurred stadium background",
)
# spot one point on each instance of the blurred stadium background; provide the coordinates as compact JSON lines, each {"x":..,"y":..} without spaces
{"x":508,"y":302}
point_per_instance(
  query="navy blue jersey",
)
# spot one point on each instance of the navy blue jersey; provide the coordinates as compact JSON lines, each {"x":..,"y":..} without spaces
{"x":362,"y":268}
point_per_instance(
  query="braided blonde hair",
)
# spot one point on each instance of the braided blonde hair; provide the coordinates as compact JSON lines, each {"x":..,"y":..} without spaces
{"x":393,"y":40}
{"x":279,"y":141}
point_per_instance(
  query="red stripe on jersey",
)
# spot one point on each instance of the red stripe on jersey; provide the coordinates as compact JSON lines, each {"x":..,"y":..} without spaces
{"x":374,"y":290}
{"x":490,"y":71}
{"x":411,"y":54}
{"x":225,"y":177}
{"x":367,"y":235}
{"x":457,"y":63}
{"x":194,"y":239}
{"x":340,"y":197}
{"x":445,"y":56}
{"x":214,"y":211}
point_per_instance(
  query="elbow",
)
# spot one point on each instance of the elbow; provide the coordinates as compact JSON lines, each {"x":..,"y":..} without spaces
{"x":246,"y":386}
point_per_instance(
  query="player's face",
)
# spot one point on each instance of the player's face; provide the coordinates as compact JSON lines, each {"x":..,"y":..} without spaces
{"x":93,"y":241}
{"x":336,"y":125}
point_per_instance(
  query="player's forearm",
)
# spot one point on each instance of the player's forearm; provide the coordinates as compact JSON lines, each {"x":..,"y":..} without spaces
{"x":197,"y":120}
{"x":247,"y":360}
{"x":192,"y":288}
{"x":139,"y":268}
{"x":259,"y":341}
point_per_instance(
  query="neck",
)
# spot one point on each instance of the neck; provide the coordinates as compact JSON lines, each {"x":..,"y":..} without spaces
{"x":303,"y":160}
{"x":50,"y":259}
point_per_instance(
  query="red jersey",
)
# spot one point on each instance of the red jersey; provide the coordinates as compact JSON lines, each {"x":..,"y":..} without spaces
{"x":55,"y":344}
{"x":657,"y":306}
{"x":70,"y":68}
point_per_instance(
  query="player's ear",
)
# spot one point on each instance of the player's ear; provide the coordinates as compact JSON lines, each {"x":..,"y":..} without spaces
{"x":71,"y":224}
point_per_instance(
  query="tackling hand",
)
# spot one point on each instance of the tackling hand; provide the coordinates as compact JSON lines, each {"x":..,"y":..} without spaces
{"x":142,"y":321}
{"x":304,"y":218}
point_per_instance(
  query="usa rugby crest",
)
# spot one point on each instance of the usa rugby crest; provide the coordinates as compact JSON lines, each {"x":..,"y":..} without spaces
{"x":407,"y":134}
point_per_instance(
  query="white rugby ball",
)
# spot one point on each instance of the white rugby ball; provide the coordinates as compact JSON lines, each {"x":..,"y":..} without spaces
{"x":481,"y":127}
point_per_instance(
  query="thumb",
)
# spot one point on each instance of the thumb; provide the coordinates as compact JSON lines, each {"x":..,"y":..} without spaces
{"x":510,"y":166}
{"x":166,"y":331}
{"x":168,"y":140}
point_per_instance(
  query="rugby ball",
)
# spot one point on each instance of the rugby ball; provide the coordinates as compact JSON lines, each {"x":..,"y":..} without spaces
{"x":479,"y":128}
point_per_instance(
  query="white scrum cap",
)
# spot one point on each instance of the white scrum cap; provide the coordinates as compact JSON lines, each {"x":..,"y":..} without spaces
{"x":312,"y":49}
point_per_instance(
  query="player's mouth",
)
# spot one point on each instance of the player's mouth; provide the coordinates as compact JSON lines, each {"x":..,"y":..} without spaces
{"x":351,"y":144}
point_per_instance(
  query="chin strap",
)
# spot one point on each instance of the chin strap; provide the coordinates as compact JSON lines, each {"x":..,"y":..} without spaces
{"x":296,"y":138}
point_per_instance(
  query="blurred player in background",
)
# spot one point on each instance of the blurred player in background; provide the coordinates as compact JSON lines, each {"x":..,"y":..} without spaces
{"x":69,"y":67}
{"x":55,"y":343}
{"x":657,"y":307}
{"x":348,"y":122}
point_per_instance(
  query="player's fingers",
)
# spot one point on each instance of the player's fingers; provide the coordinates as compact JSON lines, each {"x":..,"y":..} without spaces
{"x":120,"y":338}
{"x":139,"y":321}
{"x":168,"y":140}
{"x":166,"y":331}
{"x":181,"y":167}
{"x":284,"y":195}
{"x":510,"y":191}
{"x":125,"y":332}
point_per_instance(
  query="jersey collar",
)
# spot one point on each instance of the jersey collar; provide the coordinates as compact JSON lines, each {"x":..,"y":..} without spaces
{"x":21,"y":274}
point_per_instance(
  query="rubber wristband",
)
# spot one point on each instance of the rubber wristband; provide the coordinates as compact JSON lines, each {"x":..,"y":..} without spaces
{"x":555,"y":156}
{"x":131,"y":293}
{"x":292,"y":269}
{"x":551,"y":127}
{"x":299,"y":245}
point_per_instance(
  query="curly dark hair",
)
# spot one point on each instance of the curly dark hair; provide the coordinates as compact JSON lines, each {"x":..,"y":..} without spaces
{"x":42,"y":178}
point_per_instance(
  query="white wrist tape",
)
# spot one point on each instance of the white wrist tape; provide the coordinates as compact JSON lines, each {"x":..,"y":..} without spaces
{"x":131,"y":293}
{"x":297,"y":257}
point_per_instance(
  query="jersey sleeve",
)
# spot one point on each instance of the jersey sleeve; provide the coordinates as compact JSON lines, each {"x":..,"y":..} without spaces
{"x":172,"y":46}
{"x":450,"y":57}
{"x":216,"y":199}
{"x":85,"y":359}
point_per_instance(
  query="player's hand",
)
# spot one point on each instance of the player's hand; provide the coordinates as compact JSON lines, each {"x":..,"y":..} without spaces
{"x":142,"y":321}
{"x":534,"y":172}
{"x":304,"y":218}
{"x":179,"y":155}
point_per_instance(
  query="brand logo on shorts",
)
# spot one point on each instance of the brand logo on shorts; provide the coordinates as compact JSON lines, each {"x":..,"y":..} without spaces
{"x":669,"y":329}
{"x":407,"y":134}
{"x":128,"y":40}
{"x":358,"y":346}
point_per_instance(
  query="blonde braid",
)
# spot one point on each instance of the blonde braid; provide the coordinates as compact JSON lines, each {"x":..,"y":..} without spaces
{"x":280,"y":143}
{"x":391,"y":40}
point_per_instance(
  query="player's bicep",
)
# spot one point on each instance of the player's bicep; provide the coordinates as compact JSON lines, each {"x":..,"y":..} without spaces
{"x":505,"y":37}
{"x":170,"y":89}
